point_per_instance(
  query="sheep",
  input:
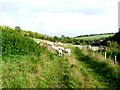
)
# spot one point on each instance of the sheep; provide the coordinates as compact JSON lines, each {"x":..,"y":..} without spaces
{"x":59,"y":43}
{"x":89,"y":47}
{"x":62,"y":48}
{"x":55,"y":48}
{"x":84,"y":46}
{"x":94,"y":48}
{"x":50,"y":43}
{"x":37,"y":41}
{"x":67,"y":51}
{"x":60,"y":52}
{"x":79,"y":46}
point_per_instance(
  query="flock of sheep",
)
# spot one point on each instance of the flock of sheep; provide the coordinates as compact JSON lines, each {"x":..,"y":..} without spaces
{"x":93,"y":48}
{"x":60,"y":49}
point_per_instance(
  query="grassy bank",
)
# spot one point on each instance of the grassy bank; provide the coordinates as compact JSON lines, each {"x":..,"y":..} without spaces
{"x":28,"y":65}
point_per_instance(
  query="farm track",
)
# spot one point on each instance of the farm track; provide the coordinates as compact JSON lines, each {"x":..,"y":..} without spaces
{"x":52,"y":71}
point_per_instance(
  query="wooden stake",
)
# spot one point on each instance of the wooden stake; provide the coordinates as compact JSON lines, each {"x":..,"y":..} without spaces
{"x":74,"y":61}
{"x":105,"y":55}
{"x":115,"y":60}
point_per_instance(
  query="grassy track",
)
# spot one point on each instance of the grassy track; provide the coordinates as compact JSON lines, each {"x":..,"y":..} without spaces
{"x":50,"y":70}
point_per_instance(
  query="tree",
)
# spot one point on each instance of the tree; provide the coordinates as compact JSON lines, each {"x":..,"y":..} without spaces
{"x":17,"y":28}
{"x":68,"y":39}
{"x":116,"y":37}
{"x":55,"y":38}
{"x":62,"y":37}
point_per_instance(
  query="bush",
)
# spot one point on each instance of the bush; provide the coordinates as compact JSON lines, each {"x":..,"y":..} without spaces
{"x":13,"y":42}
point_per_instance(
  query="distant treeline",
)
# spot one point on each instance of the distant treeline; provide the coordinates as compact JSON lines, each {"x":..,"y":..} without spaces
{"x":94,"y":35}
{"x":115,"y":38}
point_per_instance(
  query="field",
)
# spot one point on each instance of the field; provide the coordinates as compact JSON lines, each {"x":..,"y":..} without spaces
{"x":50,"y":71}
{"x":25,"y":64}
{"x":95,"y":37}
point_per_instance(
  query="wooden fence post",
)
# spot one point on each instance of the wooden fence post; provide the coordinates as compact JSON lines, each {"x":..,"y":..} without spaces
{"x":105,"y":55}
{"x":115,"y":62}
{"x":74,"y":61}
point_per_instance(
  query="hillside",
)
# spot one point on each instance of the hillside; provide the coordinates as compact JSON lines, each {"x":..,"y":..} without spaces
{"x":94,"y":36}
{"x":26,"y":64}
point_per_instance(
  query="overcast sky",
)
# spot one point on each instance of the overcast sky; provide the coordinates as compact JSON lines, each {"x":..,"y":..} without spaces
{"x":58,"y":17}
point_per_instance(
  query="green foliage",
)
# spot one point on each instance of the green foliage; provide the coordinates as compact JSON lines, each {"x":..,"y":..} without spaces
{"x":76,"y":41}
{"x":112,"y":55}
{"x":68,"y":40}
{"x":13,"y":42}
{"x":62,"y":37}
{"x":113,"y":48}
{"x":80,"y":41}
{"x":116,"y":37}
{"x":56,"y":39}
{"x":111,"y":76}
{"x":112,"y":44}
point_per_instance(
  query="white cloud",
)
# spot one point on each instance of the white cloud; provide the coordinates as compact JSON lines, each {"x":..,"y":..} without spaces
{"x":6,"y":20}
{"x":56,"y":17}
{"x":57,"y":22}
{"x":24,"y":11}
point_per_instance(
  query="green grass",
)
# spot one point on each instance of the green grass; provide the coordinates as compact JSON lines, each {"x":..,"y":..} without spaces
{"x":107,"y":73}
{"x":95,"y":37}
{"x":28,"y":65}
{"x":51,"y":71}
{"x":0,"y":72}
{"x":45,"y":71}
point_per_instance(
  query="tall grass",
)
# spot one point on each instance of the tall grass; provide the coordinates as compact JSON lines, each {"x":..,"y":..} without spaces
{"x":42,"y":72}
{"x":110,"y":75}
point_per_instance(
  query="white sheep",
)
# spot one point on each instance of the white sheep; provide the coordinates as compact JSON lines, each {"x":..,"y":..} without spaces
{"x":60,"y":52}
{"x":50,"y":43}
{"x":89,"y":46}
{"x":94,"y":48}
{"x":61,"y":48}
{"x":60,"y":43}
{"x":55,"y":48}
{"x":67,"y":51}
{"x":79,"y":46}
